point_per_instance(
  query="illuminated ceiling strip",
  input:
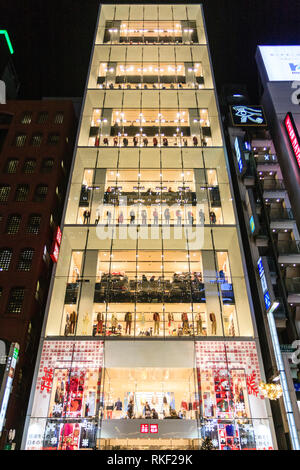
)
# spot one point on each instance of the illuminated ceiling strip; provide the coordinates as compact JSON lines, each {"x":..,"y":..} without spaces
{"x":4,"y":31}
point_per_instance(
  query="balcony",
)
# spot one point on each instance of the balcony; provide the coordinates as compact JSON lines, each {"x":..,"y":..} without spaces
{"x":293,"y":289}
{"x":281,"y":219}
{"x":288,"y":251}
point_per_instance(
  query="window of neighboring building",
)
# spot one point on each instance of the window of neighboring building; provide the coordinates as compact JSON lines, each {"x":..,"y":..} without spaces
{"x":34,"y":223}
{"x":59,"y":118}
{"x":42,"y":117}
{"x":47,"y":165}
{"x":13,"y":224}
{"x":20,"y":140}
{"x":11,"y":165}
{"x":29,"y":166}
{"x":22,"y":192}
{"x":15,"y":301}
{"x":4,"y":192}
{"x":40,"y":193}
{"x":5,"y":118}
{"x":36,"y":139}
{"x":26,"y":118}
{"x":5,"y":258}
{"x":25,"y":259}
{"x":53,"y":139}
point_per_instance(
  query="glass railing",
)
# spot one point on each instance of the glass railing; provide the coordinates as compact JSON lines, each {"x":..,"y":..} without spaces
{"x":281,"y":214}
{"x":293,"y":285}
{"x":269,"y":184}
{"x":151,"y":137}
{"x":288,"y":247}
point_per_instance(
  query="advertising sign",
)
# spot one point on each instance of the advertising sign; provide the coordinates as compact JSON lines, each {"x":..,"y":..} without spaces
{"x":293,"y":136}
{"x":244,"y":115}
{"x":282,"y":63}
{"x":7,"y":381}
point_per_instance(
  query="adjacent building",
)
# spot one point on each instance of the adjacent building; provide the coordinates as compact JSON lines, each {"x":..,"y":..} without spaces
{"x":149,"y":314}
{"x":36,"y":145}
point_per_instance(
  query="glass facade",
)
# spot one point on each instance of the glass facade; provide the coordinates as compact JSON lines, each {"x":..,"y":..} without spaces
{"x":149,"y":314}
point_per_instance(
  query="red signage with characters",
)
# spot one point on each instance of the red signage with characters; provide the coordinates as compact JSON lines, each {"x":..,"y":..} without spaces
{"x":293,"y":136}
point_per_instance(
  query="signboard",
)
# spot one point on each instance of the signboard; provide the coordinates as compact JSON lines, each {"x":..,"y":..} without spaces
{"x":264,"y":284}
{"x":293,"y":136}
{"x":239,"y":152}
{"x":55,"y":245}
{"x":252,"y":224}
{"x":282,"y":63}
{"x":7,"y":381}
{"x":146,"y":428}
{"x":243,"y":115}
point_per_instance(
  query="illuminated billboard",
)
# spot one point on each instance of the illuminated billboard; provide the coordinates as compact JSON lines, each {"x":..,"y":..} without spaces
{"x":282,"y":63}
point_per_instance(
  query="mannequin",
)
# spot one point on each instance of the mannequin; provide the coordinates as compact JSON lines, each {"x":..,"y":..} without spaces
{"x":231,"y":330}
{"x":185,"y":323}
{"x":199,"y":324}
{"x":86,"y":322}
{"x":73,"y":318}
{"x":170,"y":323}
{"x":213,"y":320}
{"x":128,"y":320}
{"x":165,"y":407}
{"x":100,"y":319}
{"x":156,"y":319}
{"x":114,"y":324}
{"x":67,"y":325}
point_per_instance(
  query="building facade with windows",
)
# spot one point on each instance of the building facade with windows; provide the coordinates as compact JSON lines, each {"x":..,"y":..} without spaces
{"x":33,"y":180}
{"x":150,"y":338}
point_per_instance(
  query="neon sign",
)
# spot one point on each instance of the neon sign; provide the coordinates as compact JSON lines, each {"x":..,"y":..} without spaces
{"x":55,"y":245}
{"x":293,"y":136}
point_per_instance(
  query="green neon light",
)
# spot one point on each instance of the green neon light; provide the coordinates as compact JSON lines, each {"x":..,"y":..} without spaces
{"x":4,"y":31}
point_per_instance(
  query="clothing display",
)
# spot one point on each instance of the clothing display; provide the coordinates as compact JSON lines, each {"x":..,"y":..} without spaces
{"x":73,"y":319}
{"x":100,"y":320}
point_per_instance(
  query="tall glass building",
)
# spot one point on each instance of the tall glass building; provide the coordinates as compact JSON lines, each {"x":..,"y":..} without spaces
{"x":150,"y":339}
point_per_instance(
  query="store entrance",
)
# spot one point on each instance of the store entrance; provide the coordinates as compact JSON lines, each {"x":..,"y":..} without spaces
{"x":149,"y":444}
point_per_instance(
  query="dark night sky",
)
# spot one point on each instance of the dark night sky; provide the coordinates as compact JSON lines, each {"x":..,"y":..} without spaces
{"x":52,"y":40}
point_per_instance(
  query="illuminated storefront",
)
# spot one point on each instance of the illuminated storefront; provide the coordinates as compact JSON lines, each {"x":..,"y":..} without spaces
{"x":149,"y":340}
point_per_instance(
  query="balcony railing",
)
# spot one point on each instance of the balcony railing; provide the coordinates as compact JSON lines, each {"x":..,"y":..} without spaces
{"x":281,"y":214}
{"x":290,"y":247}
{"x":293,"y":285}
{"x":270,"y":184}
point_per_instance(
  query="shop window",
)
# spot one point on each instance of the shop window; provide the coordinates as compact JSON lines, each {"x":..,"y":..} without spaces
{"x":20,"y":140}
{"x":13,"y":224}
{"x":40,"y":193}
{"x":26,"y":117}
{"x":4,"y":192}
{"x":16,"y":298}
{"x":29,"y":166}
{"x":22,"y":192}
{"x":25,"y":259}
{"x":42,"y":117}
{"x":34,"y":223}
{"x":11,"y":165}
{"x":36,"y":140}
{"x":5,"y":258}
